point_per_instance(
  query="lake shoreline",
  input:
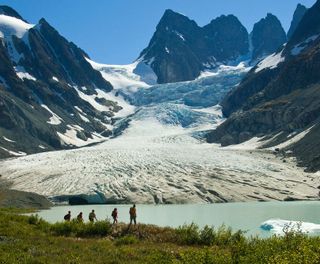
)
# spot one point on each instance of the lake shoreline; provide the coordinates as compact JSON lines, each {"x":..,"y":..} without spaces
{"x":11,"y":198}
{"x":26,"y":239}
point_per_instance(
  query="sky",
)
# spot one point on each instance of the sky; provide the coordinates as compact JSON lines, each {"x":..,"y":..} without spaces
{"x":116,"y":31}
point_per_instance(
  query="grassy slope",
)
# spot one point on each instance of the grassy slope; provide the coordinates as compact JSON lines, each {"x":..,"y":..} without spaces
{"x":30,"y":240}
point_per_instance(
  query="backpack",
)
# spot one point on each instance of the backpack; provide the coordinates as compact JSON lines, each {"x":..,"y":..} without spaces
{"x":91,"y":216}
{"x":132,"y":211}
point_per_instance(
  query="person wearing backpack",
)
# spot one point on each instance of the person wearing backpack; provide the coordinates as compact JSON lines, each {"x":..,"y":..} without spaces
{"x":80,"y":218}
{"x":92,"y":216}
{"x":133,"y":215}
{"x":114,"y":215}
{"x":67,"y":217}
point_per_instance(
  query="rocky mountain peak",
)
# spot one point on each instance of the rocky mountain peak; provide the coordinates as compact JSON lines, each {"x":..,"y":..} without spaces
{"x":309,"y":26}
{"x":172,"y":21}
{"x":267,"y":36}
{"x":297,"y":16}
{"x":170,"y":16}
{"x":42,"y":21}
{"x":179,"y":49}
{"x":228,"y":38}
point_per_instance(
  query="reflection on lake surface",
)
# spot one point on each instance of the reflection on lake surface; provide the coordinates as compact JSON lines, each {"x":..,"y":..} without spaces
{"x":244,"y":216}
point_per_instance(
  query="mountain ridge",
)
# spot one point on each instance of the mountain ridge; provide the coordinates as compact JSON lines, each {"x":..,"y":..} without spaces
{"x":50,"y":95}
{"x":180,"y":50}
{"x":279,"y":98}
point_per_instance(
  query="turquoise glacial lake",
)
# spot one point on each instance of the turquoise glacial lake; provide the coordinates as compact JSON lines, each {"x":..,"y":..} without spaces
{"x":244,"y":216}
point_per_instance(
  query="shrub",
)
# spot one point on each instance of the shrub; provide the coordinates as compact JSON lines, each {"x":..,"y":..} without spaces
{"x":100,"y":228}
{"x":126,"y":240}
{"x":223,"y":236}
{"x":207,"y":236}
{"x":33,"y":219}
{"x":63,"y":228}
{"x":74,"y":228}
{"x":188,"y":234}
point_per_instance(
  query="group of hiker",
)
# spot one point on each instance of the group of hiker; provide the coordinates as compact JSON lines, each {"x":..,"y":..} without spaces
{"x":114,"y":215}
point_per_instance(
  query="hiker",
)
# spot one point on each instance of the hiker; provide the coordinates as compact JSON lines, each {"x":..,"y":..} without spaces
{"x":133,"y":214}
{"x":92,"y":216}
{"x":80,"y":218}
{"x":67,"y":217}
{"x":114,"y":215}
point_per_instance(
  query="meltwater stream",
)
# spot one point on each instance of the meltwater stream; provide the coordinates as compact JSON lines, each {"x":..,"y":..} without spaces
{"x":250,"y":217}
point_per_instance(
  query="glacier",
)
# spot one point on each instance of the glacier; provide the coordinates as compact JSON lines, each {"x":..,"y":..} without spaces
{"x":158,"y":154}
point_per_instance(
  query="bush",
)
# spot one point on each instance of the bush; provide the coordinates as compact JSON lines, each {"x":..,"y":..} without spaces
{"x":188,"y":234}
{"x":74,"y":228}
{"x":223,"y":236}
{"x":100,"y":228}
{"x":33,"y":219}
{"x":126,"y":240}
{"x":207,"y":236}
{"x":64,"y":228}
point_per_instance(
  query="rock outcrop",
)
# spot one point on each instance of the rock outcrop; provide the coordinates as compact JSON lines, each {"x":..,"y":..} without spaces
{"x":297,"y":16}
{"x":267,"y":36}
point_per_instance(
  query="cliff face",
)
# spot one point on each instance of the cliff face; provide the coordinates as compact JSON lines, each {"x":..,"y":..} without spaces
{"x":280,"y":97}
{"x":297,"y":16}
{"x":180,"y":49}
{"x":267,"y":36}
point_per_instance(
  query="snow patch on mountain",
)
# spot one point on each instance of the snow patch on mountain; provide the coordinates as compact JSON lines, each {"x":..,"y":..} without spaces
{"x":13,"y":26}
{"x":297,"y":49}
{"x":14,"y":153}
{"x":70,"y":137}
{"x":7,"y":139}
{"x":120,"y":76}
{"x":55,"y":79}
{"x":55,"y":119}
{"x":179,"y":35}
{"x":84,"y":118}
{"x":22,"y":73}
{"x":270,"y":62}
{"x":294,"y":139}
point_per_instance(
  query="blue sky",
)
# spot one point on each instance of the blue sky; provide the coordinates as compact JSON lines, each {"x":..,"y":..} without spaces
{"x":116,"y":31}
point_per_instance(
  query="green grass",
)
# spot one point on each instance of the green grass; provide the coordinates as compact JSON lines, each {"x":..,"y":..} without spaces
{"x":29,"y":239}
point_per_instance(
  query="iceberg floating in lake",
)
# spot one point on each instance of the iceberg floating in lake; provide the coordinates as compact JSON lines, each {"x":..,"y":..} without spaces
{"x":278,"y":226}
